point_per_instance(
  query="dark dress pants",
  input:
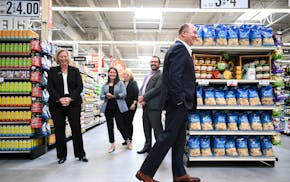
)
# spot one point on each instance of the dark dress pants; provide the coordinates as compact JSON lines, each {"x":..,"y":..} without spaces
{"x":151,"y":120}
{"x":173,"y":137}
{"x":128,"y":121}
{"x":110,"y":115}
{"x":58,"y":114}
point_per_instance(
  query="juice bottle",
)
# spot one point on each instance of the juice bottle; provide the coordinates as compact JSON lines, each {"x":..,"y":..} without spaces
{"x":29,"y":115}
{"x":12,"y":36}
{"x":7,"y":48}
{"x":20,"y":145}
{"x":16,"y":62}
{"x":8,"y":113}
{"x":11,"y":47}
{"x":21,"y":115}
{"x":1,"y":116}
{"x":17,"y":32}
{"x":16,"y":47}
{"x":20,"y":47}
{"x":1,"y":101}
{"x":16,"y":145}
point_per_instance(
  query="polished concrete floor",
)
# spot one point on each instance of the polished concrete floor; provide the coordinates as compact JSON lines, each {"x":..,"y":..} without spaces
{"x":122,"y":165}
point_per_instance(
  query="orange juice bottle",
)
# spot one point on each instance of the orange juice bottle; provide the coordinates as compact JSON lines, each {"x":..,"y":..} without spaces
{"x":0,"y":101}
{"x":4,"y":34}
{"x":12,"y":34}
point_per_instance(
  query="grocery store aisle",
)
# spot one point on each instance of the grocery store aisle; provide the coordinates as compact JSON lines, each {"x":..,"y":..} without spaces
{"x":122,"y":165}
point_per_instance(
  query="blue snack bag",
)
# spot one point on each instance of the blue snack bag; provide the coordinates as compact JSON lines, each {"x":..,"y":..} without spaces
{"x":205,"y":146}
{"x":254,"y":146}
{"x":255,"y":35}
{"x":194,"y":121}
{"x":244,"y":35}
{"x":221,"y":35}
{"x":267,"y":36}
{"x":193,"y":146}
{"x":230,"y":146}
{"x":219,"y":145}
{"x":242,"y":146}
{"x":233,"y":33}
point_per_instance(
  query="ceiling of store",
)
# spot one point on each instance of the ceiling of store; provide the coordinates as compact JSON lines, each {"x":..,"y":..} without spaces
{"x":131,"y":40}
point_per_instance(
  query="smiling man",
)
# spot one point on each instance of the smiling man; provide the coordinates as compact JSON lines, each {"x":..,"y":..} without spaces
{"x":149,"y":98}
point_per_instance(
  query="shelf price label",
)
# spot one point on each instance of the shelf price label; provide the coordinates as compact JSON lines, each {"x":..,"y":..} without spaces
{"x":1,"y":79}
{"x":264,"y":82}
{"x":224,"y":4}
{"x":232,"y":83}
{"x":203,"y":82}
{"x":21,"y":8}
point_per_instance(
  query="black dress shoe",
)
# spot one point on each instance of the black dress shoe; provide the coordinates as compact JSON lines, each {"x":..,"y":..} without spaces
{"x":84,"y":159}
{"x":143,"y":151}
{"x":61,"y":160}
{"x":124,"y":143}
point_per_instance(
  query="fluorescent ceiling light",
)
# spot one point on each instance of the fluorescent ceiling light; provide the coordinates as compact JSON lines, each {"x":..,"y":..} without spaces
{"x":148,"y":15}
{"x":260,"y":16}
{"x":247,"y":16}
{"x":144,"y":58}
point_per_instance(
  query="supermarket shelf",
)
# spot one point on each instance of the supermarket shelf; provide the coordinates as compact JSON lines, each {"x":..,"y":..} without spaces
{"x":14,"y":108}
{"x":15,"y":151}
{"x":14,"y":69}
{"x":15,"y":54}
{"x":221,"y":81}
{"x":15,"y":93}
{"x":232,"y":49}
{"x":218,"y":107}
{"x":214,"y":158}
{"x":15,"y":122}
{"x":16,"y":79}
{"x":23,"y":40}
{"x":15,"y":137}
{"x":202,"y":132}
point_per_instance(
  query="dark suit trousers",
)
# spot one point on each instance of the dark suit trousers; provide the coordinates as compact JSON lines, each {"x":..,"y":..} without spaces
{"x":172,"y":137}
{"x":58,"y":115}
{"x":151,"y":120}
{"x":110,"y":115}
{"x":128,"y":121}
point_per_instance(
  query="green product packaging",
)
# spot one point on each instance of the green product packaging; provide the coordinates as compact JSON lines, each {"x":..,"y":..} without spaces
{"x":7,"y":48}
{"x":12,"y":47}
{"x":20,"y":48}
{"x":7,"y":62}
{"x":16,"y":47}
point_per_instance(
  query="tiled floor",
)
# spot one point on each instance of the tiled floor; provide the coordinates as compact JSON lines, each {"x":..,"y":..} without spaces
{"x":122,"y":165}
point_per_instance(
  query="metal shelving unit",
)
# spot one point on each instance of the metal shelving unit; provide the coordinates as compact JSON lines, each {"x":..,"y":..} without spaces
{"x":238,"y":50}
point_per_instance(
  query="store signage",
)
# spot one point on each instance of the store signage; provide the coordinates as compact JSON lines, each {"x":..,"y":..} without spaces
{"x":224,"y":4}
{"x":232,"y":83}
{"x":264,"y":82}
{"x":90,"y":65}
{"x":286,"y":51}
{"x":14,"y":23}
{"x":20,"y":8}
{"x":80,"y":58}
{"x":68,"y":48}
{"x":203,"y":82}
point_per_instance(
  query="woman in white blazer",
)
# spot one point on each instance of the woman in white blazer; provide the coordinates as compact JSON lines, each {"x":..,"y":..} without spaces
{"x":114,"y":93}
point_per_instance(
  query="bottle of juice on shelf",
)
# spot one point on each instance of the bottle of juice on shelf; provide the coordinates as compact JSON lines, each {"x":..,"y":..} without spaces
{"x":4,"y":102}
{"x":17,"y":34}
{"x":1,"y":116}
{"x":1,"y":101}
{"x":2,"y":47}
{"x":16,"y":145}
{"x":8,"y":99}
{"x":29,"y":115}
{"x":7,"y":48}
{"x":20,"y":145}
{"x":11,"y":47}
{"x":8,"y":113}
{"x":20,"y":48}
{"x":21,"y":115}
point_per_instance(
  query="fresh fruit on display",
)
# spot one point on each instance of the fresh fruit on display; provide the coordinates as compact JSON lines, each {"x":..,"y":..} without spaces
{"x":227,"y":75}
{"x":221,"y":66}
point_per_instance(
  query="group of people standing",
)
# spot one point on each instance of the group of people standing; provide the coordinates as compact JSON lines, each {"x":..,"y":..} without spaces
{"x":173,"y":91}
{"x":120,"y":103}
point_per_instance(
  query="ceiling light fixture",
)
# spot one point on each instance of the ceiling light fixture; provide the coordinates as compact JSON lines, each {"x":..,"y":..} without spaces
{"x":146,"y":15}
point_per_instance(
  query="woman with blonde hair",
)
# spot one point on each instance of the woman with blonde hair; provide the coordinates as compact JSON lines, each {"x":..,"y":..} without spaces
{"x":131,"y":101}
{"x":64,"y":87}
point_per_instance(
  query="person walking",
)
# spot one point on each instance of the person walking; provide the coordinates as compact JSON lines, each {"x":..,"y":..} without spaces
{"x":131,"y":101}
{"x":64,"y":87}
{"x":178,"y":96}
{"x":149,"y":98}
{"x":113,"y":93}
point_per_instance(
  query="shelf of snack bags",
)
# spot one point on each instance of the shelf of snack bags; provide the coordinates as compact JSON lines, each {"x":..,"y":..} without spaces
{"x":235,"y":92}
{"x":20,"y":106}
{"x":230,"y":149}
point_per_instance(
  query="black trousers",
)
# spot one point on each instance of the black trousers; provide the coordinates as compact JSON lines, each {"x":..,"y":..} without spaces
{"x":58,"y":115}
{"x":151,"y":120}
{"x":128,"y":121}
{"x":110,"y":114}
{"x":172,"y":137}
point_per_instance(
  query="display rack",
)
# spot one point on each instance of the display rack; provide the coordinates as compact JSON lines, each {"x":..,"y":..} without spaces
{"x":232,"y":51}
{"x":17,"y":134}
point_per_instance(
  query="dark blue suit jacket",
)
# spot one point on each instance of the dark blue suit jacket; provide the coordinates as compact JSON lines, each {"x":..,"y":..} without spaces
{"x":178,"y":85}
